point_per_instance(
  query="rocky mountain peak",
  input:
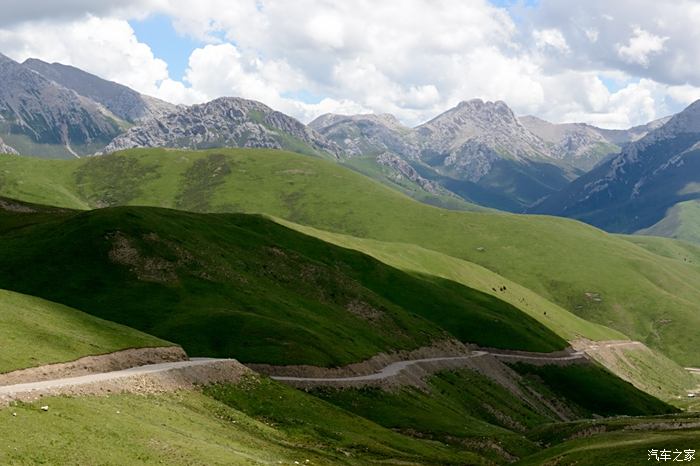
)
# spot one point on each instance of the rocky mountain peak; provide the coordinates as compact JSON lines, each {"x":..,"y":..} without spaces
{"x":225,"y":122}
{"x":124,"y":102}
{"x":687,"y":121}
{"x":45,"y":112}
{"x":490,"y":124}
{"x":368,"y":134}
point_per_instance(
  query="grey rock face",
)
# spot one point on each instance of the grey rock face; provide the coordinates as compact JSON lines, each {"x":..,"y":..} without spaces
{"x":5,"y":149}
{"x":368,"y":134}
{"x":580,"y":144}
{"x":473,"y":126}
{"x":124,"y":102}
{"x":403,"y":169}
{"x":686,"y":122}
{"x":224,"y":122}
{"x":634,"y":189}
{"x":624,"y":136}
{"x":476,"y":142}
{"x":48,"y":113}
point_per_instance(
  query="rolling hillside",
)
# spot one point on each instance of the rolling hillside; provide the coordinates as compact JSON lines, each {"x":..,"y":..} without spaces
{"x":243,"y":286}
{"x":604,"y":278}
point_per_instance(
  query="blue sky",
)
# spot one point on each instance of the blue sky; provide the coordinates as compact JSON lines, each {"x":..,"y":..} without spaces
{"x":158,"y":32}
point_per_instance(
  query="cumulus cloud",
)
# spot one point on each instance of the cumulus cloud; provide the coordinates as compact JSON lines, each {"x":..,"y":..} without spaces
{"x":612,"y":63}
{"x":104,"y":46}
{"x":551,"y":39}
{"x":641,"y":46}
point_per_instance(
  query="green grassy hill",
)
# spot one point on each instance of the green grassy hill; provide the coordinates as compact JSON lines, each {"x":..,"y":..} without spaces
{"x":682,"y":221}
{"x":217,"y":427}
{"x":602,"y":278}
{"x":35,"y":332}
{"x":617,"y":441}
{"x":244,"y":286}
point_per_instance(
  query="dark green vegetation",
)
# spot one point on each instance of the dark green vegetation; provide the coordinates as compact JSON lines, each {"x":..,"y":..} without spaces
{"x":464,"y":408}
{"x":603,"y":278}
{"x":240,"y":285}
{"x":594,"y":389}
{"x":312,"y":421}
{"x":244,"y":286}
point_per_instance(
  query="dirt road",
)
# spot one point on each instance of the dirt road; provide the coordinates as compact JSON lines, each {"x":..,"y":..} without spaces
{"x":71,"y":382}
{"x":396,"y":368}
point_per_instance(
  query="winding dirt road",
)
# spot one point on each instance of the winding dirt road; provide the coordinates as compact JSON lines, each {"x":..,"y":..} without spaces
{"x":396,"y":368}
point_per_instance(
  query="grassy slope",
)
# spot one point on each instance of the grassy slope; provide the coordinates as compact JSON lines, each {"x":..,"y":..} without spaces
{"x":188,"y":428}
{"x":36,"y":332}
{"x":682,"y":221}
{"x":465,"y":408}
{"x":616,"y":442}
{"x":462,"y":408}
{"x":687,"y":253}
{"x":650,"y":371}
{"x":418,"y":259}
{"x":643,"y":295}
{"x":369,"y":167}
{"x":594,"y":389}
{"x":244,"y":286}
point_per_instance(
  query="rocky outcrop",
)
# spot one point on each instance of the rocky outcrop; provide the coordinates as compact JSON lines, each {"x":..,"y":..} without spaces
{"x":5,"y":149}
{"x":401,"y":168}
{"x":122,"y":101}
{"x":582,"y":145}
{"x":477,"y":149}
{"x":368,"y":134}
{"x":225,"y":122}
{"x":474,"y":127}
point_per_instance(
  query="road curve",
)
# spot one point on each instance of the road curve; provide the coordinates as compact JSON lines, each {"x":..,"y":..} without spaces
{"x":391,"y":370}
{"x":395,"y":368}
{"x":102,"y":377}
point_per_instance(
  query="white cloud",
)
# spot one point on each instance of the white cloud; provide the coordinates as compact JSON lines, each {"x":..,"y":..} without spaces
{"x":641,"y":46}
{"x":104,"y":46}
{"x":551,"y":39}
{"x":413,"y":58}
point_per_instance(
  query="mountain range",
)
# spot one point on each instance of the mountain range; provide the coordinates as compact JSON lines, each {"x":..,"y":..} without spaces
{"x":475,"y":154}
{"x":637,"y":188}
